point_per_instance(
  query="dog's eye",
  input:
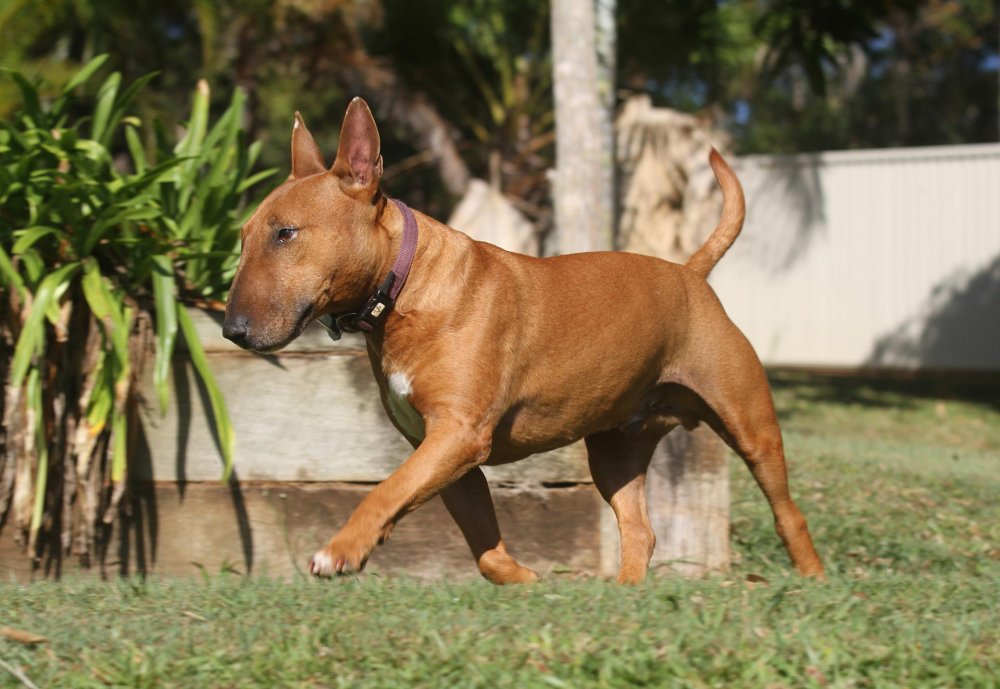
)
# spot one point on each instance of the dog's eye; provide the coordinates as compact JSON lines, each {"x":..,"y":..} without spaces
{"x":287,"y":233}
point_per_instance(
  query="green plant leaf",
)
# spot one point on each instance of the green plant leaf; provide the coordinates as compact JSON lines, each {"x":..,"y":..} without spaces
{"x":119,"y":444}
{"x":35,"y":404}
{"x":27,"y":237}
{"x":95,"y":291}
{"x":93,"y":150}
{"x":223,"y":427}
{"x":254,"y":179}
{"x":136,"y":149}
{"x":97,"y":232}
{"x":106,"y":96}
{"x":122,"y":102}
{"x":29,"y":95}
{"x":119,"y":345}
{"x":9,"y":274}
{"x":153,"y":174}
{"x":102,"y":399}
{"x":166,"y":325}
{"x":53,"y":312}
{"x":192,"y":145}
{"x":32,"y":338}
{"x":34,"y":267}
{"x":197,"y":124}
{"x":85,"y":73}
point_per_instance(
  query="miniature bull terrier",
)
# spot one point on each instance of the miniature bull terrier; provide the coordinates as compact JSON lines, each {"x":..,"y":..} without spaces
{"x":486,"y":357}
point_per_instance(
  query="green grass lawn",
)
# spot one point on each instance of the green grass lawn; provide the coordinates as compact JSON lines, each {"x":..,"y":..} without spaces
{"x":899,"y":482}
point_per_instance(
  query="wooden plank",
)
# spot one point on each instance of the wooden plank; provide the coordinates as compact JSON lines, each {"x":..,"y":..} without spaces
{"x":306,"y":416}
{"x":273,"y":529}
{"x":295,"y":418}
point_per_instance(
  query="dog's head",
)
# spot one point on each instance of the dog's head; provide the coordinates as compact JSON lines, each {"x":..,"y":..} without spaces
{"x":314,"y":245}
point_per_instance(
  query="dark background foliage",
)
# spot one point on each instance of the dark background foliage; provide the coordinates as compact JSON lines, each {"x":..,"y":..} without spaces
{"x":779,"y":75}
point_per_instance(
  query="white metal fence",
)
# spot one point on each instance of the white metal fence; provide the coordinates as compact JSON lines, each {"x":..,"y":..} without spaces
{"x":887,"y":258}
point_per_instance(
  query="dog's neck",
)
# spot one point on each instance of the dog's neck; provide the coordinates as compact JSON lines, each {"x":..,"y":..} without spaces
{"x":377,"y":308}
{"x":423,"y":294}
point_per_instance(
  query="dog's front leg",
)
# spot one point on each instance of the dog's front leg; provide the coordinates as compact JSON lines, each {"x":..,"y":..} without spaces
{"x":449,"y":450}
{"x":470,"y":505}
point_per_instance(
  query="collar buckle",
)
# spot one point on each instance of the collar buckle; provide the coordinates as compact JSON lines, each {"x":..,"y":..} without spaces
{"x":333,"y":329}
{"x":374,"y":312}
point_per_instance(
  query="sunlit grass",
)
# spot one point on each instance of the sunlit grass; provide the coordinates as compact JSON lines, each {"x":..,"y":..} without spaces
{"x":901,"y":498}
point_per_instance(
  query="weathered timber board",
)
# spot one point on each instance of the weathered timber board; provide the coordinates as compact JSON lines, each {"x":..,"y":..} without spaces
{"x":311,"y":414}
{"x":272,"y":529}
{"x":688,"y":492}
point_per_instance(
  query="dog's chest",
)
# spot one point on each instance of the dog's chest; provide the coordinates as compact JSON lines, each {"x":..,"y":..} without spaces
{"x":399,"y":389}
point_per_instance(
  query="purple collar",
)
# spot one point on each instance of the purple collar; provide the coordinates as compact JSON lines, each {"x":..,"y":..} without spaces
{"x":381,"y":302}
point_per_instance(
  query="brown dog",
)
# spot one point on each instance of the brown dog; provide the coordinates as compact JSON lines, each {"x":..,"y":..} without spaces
{"x":488,"y":356}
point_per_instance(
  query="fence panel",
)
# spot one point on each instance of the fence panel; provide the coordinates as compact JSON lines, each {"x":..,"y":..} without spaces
{"x":885,"y":258}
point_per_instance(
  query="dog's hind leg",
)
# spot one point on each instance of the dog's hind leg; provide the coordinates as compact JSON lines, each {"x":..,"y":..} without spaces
{"x":741,"y":411}
{"x":759,"y":443}
{"x":470,"y":505}
{"x":618,"y":466}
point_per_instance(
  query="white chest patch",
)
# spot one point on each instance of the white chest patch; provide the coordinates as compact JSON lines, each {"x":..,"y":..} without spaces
{"x":402,"y":411}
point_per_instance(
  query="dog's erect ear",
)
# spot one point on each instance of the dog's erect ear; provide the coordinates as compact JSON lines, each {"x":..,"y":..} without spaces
{"x":306,"y":156}
{"x":359,"y":163}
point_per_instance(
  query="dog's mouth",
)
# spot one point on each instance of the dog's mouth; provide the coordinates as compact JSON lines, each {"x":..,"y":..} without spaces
{"x":305,"y":317}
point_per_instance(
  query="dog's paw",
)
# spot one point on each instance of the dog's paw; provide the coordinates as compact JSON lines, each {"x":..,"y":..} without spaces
{"x":322,"y":565}
{"x":326,"y":563}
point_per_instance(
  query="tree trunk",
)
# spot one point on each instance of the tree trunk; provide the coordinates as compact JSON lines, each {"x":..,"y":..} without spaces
{"x":606,"y":40}
{"x":583,"y":189}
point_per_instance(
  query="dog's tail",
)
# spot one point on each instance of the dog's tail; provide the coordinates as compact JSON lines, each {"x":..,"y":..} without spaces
{"x":730,"y":224}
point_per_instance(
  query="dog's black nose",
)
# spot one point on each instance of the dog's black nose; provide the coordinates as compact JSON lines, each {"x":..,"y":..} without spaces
{"x":235,"y":329}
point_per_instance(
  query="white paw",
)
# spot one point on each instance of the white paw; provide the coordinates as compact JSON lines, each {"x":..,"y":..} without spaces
{"x":321,"y":564}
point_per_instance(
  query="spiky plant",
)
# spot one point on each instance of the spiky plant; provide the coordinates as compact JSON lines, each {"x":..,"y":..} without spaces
{"x":101,"y":244}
